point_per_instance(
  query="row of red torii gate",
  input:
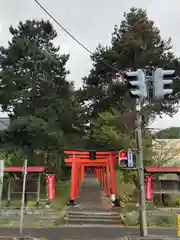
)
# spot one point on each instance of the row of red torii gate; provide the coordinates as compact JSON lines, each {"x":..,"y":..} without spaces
{"x":102,"y":164}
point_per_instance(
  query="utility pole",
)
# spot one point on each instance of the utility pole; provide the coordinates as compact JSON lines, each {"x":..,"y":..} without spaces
{"x":138,"y":80}
{"x":140,"y":172}
{"x":161,"y":86}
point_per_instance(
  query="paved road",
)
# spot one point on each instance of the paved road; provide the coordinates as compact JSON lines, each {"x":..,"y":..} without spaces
{"x":84,"y":233}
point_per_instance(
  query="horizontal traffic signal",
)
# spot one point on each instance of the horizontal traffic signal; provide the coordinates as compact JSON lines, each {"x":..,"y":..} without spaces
{"x":162,"y":79}
{"x":137,"y":83}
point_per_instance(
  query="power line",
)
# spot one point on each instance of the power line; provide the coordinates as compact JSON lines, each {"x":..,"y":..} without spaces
{"x":69,"y":34}
{"x":4,"y":123}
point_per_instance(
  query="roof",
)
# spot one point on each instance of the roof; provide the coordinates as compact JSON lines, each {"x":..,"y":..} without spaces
{"x":30,"y":169}
{"x":162,"y":169}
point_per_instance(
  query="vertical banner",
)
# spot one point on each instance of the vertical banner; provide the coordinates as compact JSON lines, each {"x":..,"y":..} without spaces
{"x":50,"y":181}
{"x":130,"y":159}
{"x":149,"y":187}
{"x":1,"y":168}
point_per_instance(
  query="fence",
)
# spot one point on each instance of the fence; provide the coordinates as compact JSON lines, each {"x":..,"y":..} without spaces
{"x":166,"y":186}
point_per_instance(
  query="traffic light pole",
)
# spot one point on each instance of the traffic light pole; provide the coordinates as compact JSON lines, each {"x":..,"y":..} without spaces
{"x":140,"y":171}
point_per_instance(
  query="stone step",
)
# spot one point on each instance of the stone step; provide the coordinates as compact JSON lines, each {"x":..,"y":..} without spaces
{"x":94,"y":217}
{"x":94,"y":214}
{"x":92,"y":221}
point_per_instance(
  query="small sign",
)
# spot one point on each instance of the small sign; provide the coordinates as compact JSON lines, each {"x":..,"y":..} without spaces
{"x":130,"y":159}
{"x":50,"y":181}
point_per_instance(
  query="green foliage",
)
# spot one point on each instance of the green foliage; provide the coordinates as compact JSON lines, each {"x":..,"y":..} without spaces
{"x":11,"y":155}
{"x":48,"y":115}
{"x":31,"y":132}
{"x":136,"y":43}
{"x":45,"y":115}
{"x":169,"y":133}
{"x":106,"y":130}
{"x":118,"y":132}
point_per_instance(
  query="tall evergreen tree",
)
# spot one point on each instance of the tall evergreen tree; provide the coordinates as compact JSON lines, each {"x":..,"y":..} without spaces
{"x":41,"y":102}
{"x":136,"y":43}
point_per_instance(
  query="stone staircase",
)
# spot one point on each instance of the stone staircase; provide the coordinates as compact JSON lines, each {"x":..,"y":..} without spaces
{"x":92,"y":218}
{"x":92,"y":206}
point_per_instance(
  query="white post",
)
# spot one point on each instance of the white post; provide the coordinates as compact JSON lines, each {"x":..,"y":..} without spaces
{"x":23,"y":196}
{"x":1,"y":180}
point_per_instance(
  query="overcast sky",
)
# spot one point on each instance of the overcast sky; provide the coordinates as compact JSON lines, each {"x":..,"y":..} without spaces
{"x":92,"y":22}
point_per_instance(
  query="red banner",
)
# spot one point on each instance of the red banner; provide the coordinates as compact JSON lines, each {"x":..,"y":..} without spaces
{"x":149,"y":187}
{"x":50,"y":181}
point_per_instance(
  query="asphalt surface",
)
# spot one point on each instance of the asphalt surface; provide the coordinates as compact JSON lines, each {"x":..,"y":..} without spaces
{"x":85,"y":233}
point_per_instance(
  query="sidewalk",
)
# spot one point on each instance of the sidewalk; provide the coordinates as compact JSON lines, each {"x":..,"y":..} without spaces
{"x":91,"y":197}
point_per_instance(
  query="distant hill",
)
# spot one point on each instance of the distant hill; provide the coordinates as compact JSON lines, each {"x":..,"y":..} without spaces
{"x":169,"y":133}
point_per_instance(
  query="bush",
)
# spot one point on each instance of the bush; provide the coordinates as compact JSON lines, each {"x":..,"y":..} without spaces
{"x":169,"y":220}
{"x":153,"y":218}
{"x":130,"y":219}
{"x":166,"y":221}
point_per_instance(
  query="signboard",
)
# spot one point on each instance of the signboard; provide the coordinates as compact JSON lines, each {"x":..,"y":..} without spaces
{"x":130,"y":159}
{"x":50,"y":181}
{"x":149,"y":187}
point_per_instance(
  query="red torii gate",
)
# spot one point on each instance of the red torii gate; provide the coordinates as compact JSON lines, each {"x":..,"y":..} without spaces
{"x":103,"y":165}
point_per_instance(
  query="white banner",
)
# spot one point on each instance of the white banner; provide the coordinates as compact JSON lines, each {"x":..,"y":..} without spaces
{"x":1,"y":168}
{"x":1,"y":180}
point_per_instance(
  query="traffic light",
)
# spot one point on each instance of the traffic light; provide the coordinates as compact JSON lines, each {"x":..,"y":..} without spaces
{"x":138,"y":83}
{"x":161,"y":80}
{"x":92,"y":155}
{"x":122,"y":159}
{"x":122,"y":155}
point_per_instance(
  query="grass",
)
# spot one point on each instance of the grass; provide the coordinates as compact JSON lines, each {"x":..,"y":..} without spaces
{"x":61,"y":198}
{"x":129,"y":210}
{"x":56,"y":207}
{"x":62,"y":195}
{"x":125,"y":190}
